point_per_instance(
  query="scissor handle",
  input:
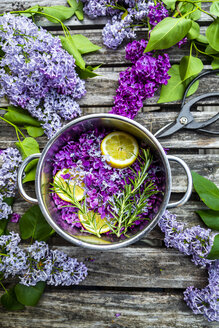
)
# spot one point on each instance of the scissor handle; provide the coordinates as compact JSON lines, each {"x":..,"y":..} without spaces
{"x":199,"y":125}
{"x":209,"y":72}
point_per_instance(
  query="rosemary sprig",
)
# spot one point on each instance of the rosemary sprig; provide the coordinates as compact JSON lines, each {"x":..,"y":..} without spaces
{"x":89,"y":220}
{"x":131,"y":203}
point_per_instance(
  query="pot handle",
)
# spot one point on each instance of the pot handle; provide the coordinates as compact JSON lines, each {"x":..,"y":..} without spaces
{"x":189,"y":182}
{"x":20,"y":175}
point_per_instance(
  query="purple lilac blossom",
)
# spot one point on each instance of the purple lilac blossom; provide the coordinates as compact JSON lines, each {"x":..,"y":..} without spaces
{"x":195,"y":241}
{"x":140,"y":81}
{"x":11,"y":159}
{"x":98,"y":8}
{"x":37,"y":74}
{"x":15,"y":217}
{"x":156,"y":13}
{"x":38,"y":263}
{"x":83,"y":158}
{"x":116,"y":30}
{"x":206,"y":301}
{"x":12,"y":258}
{"x":182,"y":42}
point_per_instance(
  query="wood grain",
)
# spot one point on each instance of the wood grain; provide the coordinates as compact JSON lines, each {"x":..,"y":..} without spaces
{"x":97,"y":309}
{"x":102,"y":89}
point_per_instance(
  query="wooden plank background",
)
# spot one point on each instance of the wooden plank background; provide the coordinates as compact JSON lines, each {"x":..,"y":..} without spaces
{"x":142,"y":283}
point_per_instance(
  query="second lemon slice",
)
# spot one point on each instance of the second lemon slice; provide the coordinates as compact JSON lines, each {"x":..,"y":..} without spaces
{"x":98,"y":225}
{"x":121,"y":149}
{"x":68,"y":186}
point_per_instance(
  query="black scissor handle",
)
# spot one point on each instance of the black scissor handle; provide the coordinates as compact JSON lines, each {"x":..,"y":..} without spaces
{"x":199,"y":125}
{"x":209,"y":72}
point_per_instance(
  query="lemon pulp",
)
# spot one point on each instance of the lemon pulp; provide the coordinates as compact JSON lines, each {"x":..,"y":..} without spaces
{"x":120,"y":148}
{"x":99,"y":224}
{"x":70,"y":185}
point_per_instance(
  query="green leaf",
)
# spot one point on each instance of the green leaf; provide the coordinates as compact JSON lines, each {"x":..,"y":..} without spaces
{"x":27,"y":147}
{"x":69,"y":45}
{"x":73,"y":4}
{"x":10,"y":302}
{"x":60,"y":12}
{"x":185,"y":8}
{"x":210,"y":51}
{"x":3,"y":226}
{"x":170,"y":4}
{"x":214,"y":253}
{"x":86,"y":73}
{"x":215,"y":63}
{"x":202,"y":38}
{"x":30,"y":176}
{"x":175,"y":88}
{"x":34,"y":8}
{"x":21,"y":117}
{"x":168,"y":32}
{"x":31,"y":165}
{"x":79,"y":12}
{"x":210,"y":218}
{"x":83,"y":44}
{"x":194,"y":31}
{"x":34,"y":131}
{"x":190,"y":66}
{"x":214,"y":9}
{"x":207,"y":191}
{"x":212,"y":34}
{"x":29,"y":296}
{"x":9,"y":200}
{"x":33,"y":224}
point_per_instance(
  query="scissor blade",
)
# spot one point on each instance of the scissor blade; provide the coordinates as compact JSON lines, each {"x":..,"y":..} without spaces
{"x":168,"y":130}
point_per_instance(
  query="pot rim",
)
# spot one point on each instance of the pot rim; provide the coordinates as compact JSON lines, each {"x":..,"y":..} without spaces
{"x":123,"y":243}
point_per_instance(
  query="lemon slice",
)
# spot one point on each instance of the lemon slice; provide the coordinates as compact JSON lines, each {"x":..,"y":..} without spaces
{"x":121,"y":149}
{"x":70,"y":185}
{"x":93,"y":240}
{"x":97,"y":226}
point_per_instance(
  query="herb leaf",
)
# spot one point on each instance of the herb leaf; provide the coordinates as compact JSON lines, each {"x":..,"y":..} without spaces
{"x":207,"y":191}
{"x":60,"y":12}
{"x":212,"y":34}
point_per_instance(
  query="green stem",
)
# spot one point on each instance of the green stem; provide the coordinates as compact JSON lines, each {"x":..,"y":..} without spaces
{"x":1,"y":254}
{"x":14,"y":126}
{"x":3,"y":287}
{"x":202,"y":52}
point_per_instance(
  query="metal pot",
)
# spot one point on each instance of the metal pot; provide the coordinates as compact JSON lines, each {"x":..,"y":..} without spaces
{"x":44,"y":178}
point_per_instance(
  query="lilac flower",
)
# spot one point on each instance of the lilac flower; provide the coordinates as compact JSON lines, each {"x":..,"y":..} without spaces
{"x":37,"y":74}
{"x":39,"y":264}
{"x":206,"y":300}
{"x":194,"y":241}
{"x":141,"y":80}
{"x":182,"y":42}
{"x":116,"y":30}
{"x":8,"y":179}
{"x":98,"y":8}
{"x":8,"y":173}
{"x":12,"y":258}
{"x":15,"y":217}
{"x":65,"y":271}
{"x":156,"y":13}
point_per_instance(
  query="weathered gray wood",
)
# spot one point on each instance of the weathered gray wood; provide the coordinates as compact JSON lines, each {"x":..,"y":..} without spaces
{"x":98,"y":309}
{"x":102,"y":89}
{"x":138,"y":267}
{"x":153,"y":121}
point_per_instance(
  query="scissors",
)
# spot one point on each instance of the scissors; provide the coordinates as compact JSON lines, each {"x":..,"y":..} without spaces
{"x":185,"y":119}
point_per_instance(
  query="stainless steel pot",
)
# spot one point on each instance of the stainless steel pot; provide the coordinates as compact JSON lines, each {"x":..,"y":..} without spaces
{"x":44,"y":177}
